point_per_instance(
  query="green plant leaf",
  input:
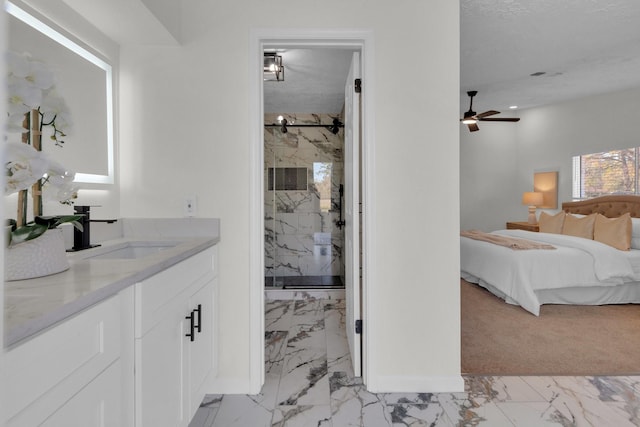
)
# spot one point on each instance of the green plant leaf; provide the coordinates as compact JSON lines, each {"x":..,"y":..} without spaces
{"x":41,"y":224}
{"x":55,"y":221}
{"x":27,"y":232}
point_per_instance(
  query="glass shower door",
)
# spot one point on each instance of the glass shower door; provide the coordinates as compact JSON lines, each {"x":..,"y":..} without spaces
{"x":303,"y":175}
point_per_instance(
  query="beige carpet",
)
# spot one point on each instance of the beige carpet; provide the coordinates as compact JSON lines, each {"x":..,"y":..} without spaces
{"x":504,"y":339}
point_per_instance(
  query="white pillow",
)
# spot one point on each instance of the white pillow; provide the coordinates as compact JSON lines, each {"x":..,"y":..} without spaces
{"x":635,"y":233}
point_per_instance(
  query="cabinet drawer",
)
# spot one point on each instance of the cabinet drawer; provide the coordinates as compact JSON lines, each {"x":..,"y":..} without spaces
{"x":47,"y":370}
{"x":156,"y":293}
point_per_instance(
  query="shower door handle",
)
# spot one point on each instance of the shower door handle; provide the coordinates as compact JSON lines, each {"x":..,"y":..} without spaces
{"x":341,"y":223}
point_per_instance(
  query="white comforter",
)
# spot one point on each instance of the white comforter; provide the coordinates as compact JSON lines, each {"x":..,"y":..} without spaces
{"x":518,"y":274}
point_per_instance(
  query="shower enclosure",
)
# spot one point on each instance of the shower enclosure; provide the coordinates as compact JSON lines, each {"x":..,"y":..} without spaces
{"x":303,"y":168}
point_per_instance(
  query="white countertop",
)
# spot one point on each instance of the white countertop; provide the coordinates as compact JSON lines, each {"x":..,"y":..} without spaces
{"x":36,"y":304}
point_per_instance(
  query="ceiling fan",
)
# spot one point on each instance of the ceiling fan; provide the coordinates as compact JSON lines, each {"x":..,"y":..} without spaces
{"x":471,"y":119}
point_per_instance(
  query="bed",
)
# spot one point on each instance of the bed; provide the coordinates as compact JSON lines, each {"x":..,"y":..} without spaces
{"x":576,"y":271}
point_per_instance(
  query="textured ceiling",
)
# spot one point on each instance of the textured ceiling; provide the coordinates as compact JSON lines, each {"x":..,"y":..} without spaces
{"x":585,"y":47}
{"x":314,"y":81}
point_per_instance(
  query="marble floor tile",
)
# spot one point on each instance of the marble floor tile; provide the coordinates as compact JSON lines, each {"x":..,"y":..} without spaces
{"x":466,"y":412}
{"x":309,"y":381}
{"x":577,"y":398}
{"x":302,"y":416}
{"x":249,"y":410}
{"x":418,"y":415}
{"x":304,"y":380}
{"x":278,"y":315}
{"x":353,"y":405}
{"x":501,"y":389}
{"x":207,"y":411}
{"x":275,"y":351}
{"x":309,"y":307}
{"x":307,"y":333}
{"x":533,"y":414}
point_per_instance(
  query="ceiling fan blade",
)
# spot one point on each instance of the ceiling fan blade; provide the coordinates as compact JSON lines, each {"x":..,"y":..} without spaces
{"x":473,"y":127}
{"x":487,"y":113}
{"x":501,"y":119}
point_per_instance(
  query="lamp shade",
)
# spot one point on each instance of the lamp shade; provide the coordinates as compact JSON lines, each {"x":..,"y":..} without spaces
{"x":532,"y":198}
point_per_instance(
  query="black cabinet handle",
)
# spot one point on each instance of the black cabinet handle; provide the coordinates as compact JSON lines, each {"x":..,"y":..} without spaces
{"x":199,"y":322}
{"x":191,"y":335}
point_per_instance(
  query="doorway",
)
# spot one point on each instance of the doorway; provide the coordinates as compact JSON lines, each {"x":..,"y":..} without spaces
{"x":262,"y":40}
{"x":304,"y":168}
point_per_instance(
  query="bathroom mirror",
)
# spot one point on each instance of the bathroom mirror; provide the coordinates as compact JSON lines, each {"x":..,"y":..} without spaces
{"x":85,"y":82}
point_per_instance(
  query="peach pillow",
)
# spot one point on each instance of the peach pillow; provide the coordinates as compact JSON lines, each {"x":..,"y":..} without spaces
{"x":579,"y":226}
{"x":614,"y":232}
{"x":551,"y":223}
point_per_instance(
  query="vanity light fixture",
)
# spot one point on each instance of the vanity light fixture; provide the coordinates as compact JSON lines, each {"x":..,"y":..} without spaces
{"x":273,"y":68}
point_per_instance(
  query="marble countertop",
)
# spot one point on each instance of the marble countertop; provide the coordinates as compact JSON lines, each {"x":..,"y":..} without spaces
{"x":36,"y":304}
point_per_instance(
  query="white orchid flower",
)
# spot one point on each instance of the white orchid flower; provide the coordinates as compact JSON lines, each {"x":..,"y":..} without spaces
{"x":18,"y":64}
{"x":23,"y":97}
{"x":54,"y":107}
{"x":64,"y":194}
{"x":24,"y":165}
{"x":57,"y":175}
{"x":58,"y":184}
{"x":35,"y":73}
{"x":15,"y":123}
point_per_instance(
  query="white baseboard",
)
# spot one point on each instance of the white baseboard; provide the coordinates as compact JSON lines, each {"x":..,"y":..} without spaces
{"x":413,"y":384}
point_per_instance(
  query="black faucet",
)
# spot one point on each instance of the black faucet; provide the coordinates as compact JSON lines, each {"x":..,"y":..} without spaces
{"x":82,"y":239}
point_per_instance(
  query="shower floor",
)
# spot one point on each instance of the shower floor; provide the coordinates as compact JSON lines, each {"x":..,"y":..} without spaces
{"x":305,"y":282}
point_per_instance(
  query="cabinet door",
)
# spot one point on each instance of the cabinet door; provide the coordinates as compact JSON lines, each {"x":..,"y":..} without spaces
{"x":98,"y":404}
{"x":160,"y":384}
{"x":201,"y":350}
{"x":46,"y":372}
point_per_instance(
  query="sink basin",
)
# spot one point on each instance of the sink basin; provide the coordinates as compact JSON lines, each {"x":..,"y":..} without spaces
{"x":133,"y":250}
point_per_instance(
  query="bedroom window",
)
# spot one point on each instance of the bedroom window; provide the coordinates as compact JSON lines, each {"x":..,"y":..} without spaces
{"x":609,"y":172}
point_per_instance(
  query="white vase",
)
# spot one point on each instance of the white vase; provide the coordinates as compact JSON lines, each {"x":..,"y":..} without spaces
{"x":39,"y":257}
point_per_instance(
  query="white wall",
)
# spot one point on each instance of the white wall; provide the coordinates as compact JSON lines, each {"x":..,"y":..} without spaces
{"x":3,"y":115}
{"x":184,"y":130}
{"x":545,"y":139}
{"x":488,"y":165}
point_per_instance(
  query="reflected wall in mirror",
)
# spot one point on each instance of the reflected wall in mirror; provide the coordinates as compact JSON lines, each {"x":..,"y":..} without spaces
{"x":85,"y":83}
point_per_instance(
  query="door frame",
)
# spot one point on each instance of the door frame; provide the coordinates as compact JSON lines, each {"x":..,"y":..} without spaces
{"x":259,"y":39}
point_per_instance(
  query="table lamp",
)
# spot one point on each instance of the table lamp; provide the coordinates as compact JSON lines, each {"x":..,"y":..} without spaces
{"x":532,"y":199}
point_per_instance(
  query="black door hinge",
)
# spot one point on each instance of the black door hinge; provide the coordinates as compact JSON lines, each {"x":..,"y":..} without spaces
{"x":357,"y":85}
{"x":358,"y":326}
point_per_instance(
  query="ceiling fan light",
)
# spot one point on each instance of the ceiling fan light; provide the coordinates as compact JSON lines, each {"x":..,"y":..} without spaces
{"x":469,"y":121}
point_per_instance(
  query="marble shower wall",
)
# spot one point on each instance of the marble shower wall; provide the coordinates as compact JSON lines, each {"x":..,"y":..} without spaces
{"x":300,"y":238}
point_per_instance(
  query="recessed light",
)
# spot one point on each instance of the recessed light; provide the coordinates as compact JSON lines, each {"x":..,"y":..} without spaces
{"x":538,"y":73}
{"x":513,"y":107}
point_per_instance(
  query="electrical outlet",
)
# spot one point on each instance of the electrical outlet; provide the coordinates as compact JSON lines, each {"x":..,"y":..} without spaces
{"x":190,"y":206}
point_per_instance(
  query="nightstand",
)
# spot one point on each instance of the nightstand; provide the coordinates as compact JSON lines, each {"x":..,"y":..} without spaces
{"x":522,"y":225}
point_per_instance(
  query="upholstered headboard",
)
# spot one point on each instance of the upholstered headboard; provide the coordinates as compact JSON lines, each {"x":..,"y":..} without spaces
{"x":609,"y":206}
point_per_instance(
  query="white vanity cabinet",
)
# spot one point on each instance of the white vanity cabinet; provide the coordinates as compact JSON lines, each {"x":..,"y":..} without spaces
{"x":143,"y":357}
{"x":175,"y":340}
{"x":72,"y":374}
